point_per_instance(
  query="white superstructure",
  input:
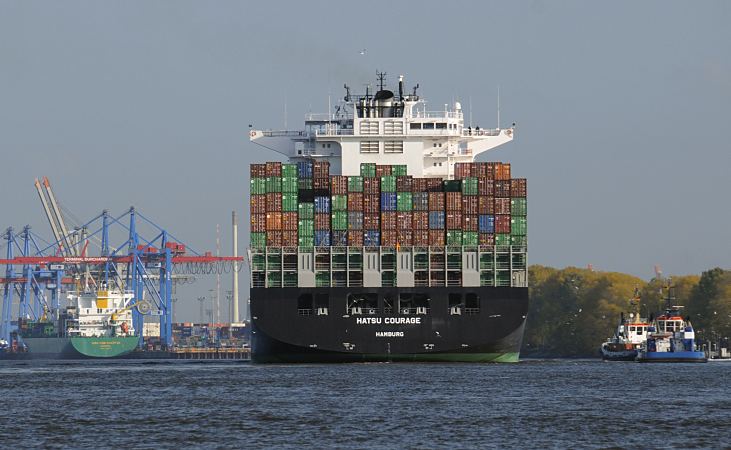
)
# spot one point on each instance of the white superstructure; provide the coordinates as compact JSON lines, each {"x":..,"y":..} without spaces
{"x":385,"y":128}
{"x":101,"y":313}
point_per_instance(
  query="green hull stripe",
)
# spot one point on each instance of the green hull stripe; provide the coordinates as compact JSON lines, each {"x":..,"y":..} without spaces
{"x":104,"y":347}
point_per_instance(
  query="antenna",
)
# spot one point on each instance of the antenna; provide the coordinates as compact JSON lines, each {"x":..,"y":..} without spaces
{"x":498,"y":106}
{"x":381,"y":77}
{"x":470,"y":111}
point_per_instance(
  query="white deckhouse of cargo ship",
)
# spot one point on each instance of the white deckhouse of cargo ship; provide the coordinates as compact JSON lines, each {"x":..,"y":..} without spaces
{"x":386,"y":129}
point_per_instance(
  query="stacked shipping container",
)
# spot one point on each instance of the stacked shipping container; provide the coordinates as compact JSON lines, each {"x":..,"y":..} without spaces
{"x":303,"y":205}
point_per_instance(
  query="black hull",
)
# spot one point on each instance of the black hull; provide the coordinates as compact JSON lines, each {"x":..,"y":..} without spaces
{"x":491,"y":333}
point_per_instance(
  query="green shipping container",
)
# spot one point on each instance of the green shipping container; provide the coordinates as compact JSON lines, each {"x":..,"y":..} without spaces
{"x":355,"y":184}
{"x":519,"y":240}
{"x":289,"y":203}
{"x":339,"y":220}
{"x":258,"y":186}
{"x":469,"y":186}
{"x":306,"y":211}
{"x":518,"y":226}
{"x":306,"y":227}
{"x":454,"y":237}
{"x":274,"y":184}
{"x":274,"y":279}
{"x":404,"y":201}
{"x":322,"y":279}
{"x":368,"y":169}
{"x":470,"y":238}
{"x":306,"y":241}
{"x":339,"y":203}
{"x":304,"y":184}
{"x":258,"y":240}
{"x":388,"y":183}
{"x":399,"y":170}
{"x":452,"y":186}
{"x":519,"y":206}
{"x":502,"y":239}
{"x":289,"y":184}
{"x":289,"y":170}
{"x":258,"y":262}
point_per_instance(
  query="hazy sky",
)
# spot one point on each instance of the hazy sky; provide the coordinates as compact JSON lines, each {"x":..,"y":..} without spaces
{"x":623,"y":110}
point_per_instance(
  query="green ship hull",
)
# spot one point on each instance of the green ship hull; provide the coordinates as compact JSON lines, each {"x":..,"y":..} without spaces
{"x":80,"y":347}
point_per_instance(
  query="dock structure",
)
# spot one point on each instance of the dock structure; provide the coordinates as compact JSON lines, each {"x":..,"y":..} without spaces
{"x":212,"y":353}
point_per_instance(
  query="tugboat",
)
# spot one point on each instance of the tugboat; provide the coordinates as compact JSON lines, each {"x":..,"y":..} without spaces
{"x":671,"y":338}
{"x":629,"y":337}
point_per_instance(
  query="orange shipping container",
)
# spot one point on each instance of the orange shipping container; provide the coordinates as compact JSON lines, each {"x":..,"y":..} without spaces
{"x":502,"y":171}
{"x":421,"y":220}
{"x":355,"y":239}
{"x":258,"y":223}
{"x":502,"y":206}
{"x":258,"y":204}
{"x":421,"y":237}
{"x":485,"y":205}
{"x":355,"y":201}
{"x":274,"y":221}
{"x":289,"y":221}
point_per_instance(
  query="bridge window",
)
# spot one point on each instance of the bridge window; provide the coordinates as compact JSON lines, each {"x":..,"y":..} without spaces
{"x":428,"y":126}
{"x":441,"y":126}
{"x":415,"y":126}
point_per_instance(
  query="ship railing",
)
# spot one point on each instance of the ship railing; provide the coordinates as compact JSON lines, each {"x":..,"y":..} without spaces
{"x":475,"y":132}
{"x":417,"y":114}
{"x":471,"y":311}
{"x":285,"y":133}
{"x":304,"y":312}
{"x":335,"y":132}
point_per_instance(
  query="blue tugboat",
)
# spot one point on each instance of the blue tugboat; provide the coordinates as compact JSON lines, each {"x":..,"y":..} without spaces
{"x":671,"y":338}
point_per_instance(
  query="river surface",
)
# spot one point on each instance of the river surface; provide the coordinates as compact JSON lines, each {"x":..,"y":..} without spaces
{"x":532,"y":404}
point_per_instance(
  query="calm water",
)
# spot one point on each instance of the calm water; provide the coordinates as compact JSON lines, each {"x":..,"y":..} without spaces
{"x":534,"y":404}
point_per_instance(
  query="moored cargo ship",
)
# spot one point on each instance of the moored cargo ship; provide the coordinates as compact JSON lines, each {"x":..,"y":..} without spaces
{"x":382,"y":239}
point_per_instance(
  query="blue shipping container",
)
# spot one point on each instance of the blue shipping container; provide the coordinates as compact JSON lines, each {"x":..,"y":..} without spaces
{"x":436,"y":220}
{"x":388,"y":201}
{"x":372,"y":238}
{"x":487,"y":223}
{"x":322,"y":238}
{"x":322,"y":205}
{"x":304,"y":169}
{"x":339,"y":238}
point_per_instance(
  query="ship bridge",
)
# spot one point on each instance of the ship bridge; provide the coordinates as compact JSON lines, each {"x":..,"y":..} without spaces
{"x":386,"y":128}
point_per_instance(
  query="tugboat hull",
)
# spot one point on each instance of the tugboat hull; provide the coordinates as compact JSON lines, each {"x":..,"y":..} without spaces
{"x":670,"y":357}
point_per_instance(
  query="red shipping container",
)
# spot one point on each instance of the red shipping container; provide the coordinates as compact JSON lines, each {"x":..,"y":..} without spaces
{"x":383,"y":170}
{"x":274,"y":169}
{"x":421,"y":220}
{"x":274,"y":238}
{"x":289,"y":221}
{"x":502,"y":171}
{"x":462,"y":170}
{"x":290,"y":238}
{"x":322,"y":184}
{"x":470,"y":204}
{"x":355,"y":239}
{"x":338,"y":185}
{"x":405,"y":238}
{"x":421,"y":237}
{"x":454,"y":201}
{"x":437,"y":238}
{"x":371,"y":204}
{"x":258,"y":204}
{"x":274,"y":221}
{"x":419,"y":185}
{"x":274,"y":202}
{"x":388,"y":220}
{"x":258,"y":223}
{"x":404,"y":221}
{"x":389,"y":238}
{"x":372,"y":221}
{"x":480,"y":170}
{"x":454,"y":220}
{"x":322,"y":221}
{"x":486,"y":239}
{"x":485,"y":205}
{"x":404,"y":184}
{"x":485,"y":186}
{"x":321,"y":169}
{"x":434,"y":184}
{"x":258,"y":170}
{"x":355,"y":201}
{"x":371,"y":185}
{"x":436,"y":201}
{"x":518,"y":187}
{"x":502,"y":188}
{"x":502,"y":206}
{"x":502,"y":223}
{"x":469,"y":222}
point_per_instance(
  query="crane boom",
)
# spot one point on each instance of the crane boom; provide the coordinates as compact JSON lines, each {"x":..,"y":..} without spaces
{"x":49,"y":216}
{"x":59,"y":217}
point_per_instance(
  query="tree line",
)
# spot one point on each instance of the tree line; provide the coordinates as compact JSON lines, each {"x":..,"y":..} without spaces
{"x":572,"y":310}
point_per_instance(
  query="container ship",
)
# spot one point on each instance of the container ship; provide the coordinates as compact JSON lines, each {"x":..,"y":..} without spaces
{"x":381,"y":239}
{"x":97,"y":324}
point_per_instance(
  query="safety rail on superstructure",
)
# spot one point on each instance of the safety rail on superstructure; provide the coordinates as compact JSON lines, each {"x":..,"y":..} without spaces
{"x":480,"y":265}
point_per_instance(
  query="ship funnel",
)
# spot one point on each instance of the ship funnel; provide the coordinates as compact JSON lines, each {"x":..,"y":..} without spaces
{"x":401,"y":87}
